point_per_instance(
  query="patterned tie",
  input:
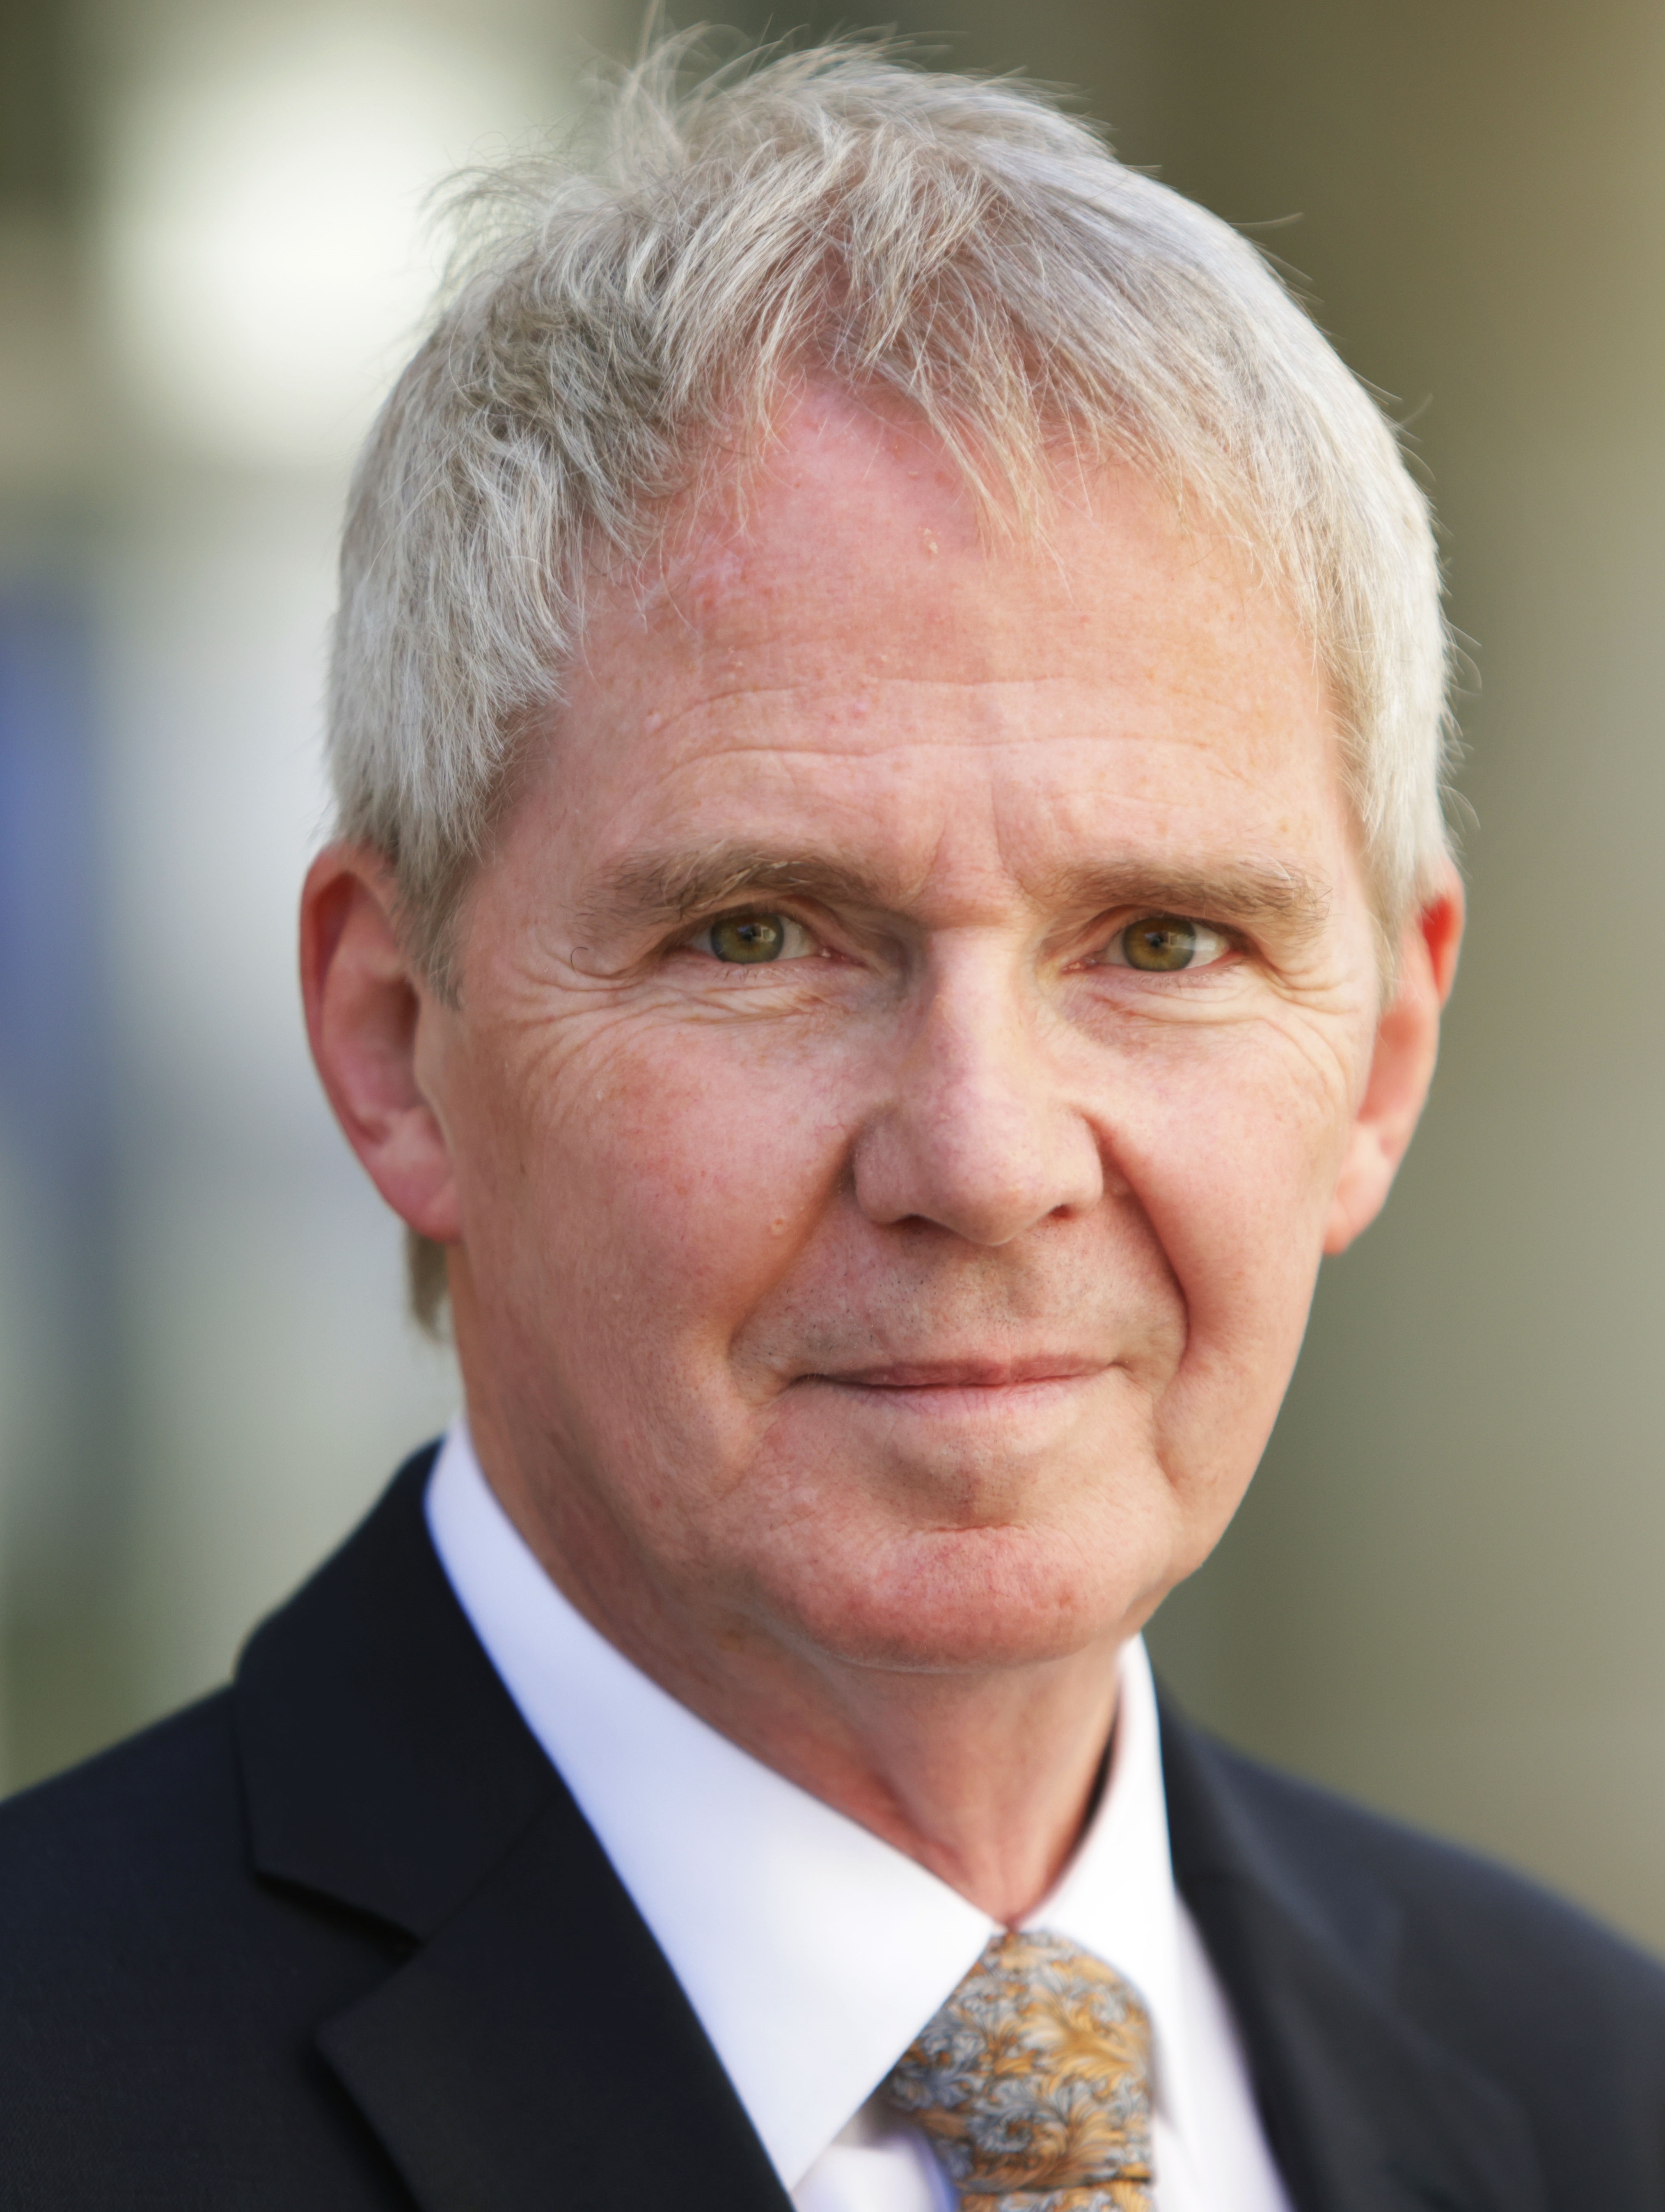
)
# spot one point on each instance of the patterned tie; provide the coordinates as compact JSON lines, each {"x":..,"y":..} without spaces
{"x":1033,"y":2081}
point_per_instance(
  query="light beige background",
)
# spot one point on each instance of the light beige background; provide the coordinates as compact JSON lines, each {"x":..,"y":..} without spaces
{"x":1443,"y":1593}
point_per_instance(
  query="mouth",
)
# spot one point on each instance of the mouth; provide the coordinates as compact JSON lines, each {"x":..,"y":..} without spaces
{"x":942,"y":1384}
{"x":964,"y":1374}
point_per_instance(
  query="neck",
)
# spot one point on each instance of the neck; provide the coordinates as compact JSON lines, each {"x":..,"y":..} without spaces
{"x":986,"y":1780}
{"x":985,"y":1777}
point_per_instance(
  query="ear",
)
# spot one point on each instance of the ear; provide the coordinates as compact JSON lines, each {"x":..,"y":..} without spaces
{"x":1402,"y":1066}
{"x":366,"y":1010}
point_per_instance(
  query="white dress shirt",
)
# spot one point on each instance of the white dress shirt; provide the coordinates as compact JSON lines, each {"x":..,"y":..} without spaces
{"x":812,"y":1951}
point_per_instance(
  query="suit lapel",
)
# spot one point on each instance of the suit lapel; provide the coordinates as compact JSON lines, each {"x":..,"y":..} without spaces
{"x":535,"y":2049}
{"x":1365,"y":2112}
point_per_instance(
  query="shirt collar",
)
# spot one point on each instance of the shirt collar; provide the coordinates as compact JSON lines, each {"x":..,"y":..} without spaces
{"x":812,"y":1951}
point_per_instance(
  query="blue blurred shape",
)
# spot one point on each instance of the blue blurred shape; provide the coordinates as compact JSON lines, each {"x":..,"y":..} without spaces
{"x":55,"y":1060}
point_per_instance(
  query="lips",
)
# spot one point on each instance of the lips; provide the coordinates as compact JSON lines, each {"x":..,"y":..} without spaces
{"x":964,"y":1374}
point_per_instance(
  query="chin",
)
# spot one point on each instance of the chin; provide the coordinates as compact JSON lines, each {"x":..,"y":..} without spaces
{"x":968,"y":1600}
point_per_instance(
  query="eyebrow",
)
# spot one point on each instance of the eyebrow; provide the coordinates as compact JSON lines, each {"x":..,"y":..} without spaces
{"x":661,"y":887}
{"x":647,"y":890}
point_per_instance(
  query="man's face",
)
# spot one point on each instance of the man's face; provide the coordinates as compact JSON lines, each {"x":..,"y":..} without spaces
{"x":910,"y":1035}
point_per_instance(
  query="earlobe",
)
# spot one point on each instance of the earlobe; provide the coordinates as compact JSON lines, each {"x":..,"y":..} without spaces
{"x":1401,"y":1067}
{"x":365,"y":1008}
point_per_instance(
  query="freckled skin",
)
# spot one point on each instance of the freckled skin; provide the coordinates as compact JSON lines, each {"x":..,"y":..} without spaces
{"x":869,"y":1338}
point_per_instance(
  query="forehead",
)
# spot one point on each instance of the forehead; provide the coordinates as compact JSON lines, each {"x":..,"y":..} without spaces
{"x":834,"y":653}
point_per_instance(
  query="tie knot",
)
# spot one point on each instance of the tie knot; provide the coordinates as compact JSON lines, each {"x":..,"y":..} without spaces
{"x":1033,"y":2080}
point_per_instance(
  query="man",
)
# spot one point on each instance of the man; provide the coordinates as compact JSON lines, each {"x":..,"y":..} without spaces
{"x":891,"y":903}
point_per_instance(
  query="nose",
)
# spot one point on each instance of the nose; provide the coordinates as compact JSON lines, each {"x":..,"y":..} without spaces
{"x":978,"y":1133}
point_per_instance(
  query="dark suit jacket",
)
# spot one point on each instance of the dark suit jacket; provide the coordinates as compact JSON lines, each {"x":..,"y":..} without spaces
{"x":338,"y":1938}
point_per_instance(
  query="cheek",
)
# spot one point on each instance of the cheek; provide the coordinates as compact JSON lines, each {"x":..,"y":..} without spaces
{"x":660,"y":1181}
{"x":1234,"y":1154}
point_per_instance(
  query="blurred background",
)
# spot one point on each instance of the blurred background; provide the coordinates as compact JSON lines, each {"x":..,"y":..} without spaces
{"x":1444,"y":1593}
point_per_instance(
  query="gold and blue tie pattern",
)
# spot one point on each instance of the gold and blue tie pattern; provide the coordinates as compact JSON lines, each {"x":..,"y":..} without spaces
{"x":1034,"y":2082}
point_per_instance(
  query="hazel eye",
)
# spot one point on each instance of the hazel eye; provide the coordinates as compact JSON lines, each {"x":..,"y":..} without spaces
{"x":1162,"y":944}
{"x":752,"y":939}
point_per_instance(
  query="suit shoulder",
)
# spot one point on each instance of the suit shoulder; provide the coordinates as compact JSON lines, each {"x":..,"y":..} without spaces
{"x":158,"y":1997}
{"x":158,"y":1804}
{"x":122,"y":1879}
{"x":127,"y":1889}
{"x":1476,"y":1946}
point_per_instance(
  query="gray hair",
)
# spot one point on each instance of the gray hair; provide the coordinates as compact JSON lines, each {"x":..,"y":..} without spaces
{"x":619,"y":314}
